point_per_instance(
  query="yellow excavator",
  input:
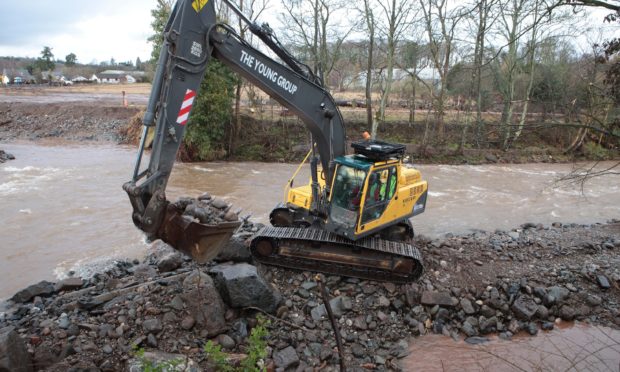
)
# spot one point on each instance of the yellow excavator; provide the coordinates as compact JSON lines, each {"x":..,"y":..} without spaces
{"x":351,"y":219}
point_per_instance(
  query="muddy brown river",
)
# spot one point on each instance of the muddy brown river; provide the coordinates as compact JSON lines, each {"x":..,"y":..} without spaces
{"x":62,"y":206}
{"x":570,"y":347}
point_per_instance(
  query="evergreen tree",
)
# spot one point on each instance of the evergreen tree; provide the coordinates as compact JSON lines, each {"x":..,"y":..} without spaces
{"x":70,"y":59}
{"x":46,"y":61}
{"x":160,"y":16}
{"x":205,"y":138}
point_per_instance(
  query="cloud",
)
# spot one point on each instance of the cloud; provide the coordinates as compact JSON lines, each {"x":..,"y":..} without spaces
{"x":91,"y":30}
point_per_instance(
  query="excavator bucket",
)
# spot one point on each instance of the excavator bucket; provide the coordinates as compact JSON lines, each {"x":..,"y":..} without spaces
{"x":202,"y":242}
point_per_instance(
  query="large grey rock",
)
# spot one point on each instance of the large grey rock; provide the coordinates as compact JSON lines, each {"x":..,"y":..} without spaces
{"x":4,"y":156}
{"x":235,"y":250}
{"x":467,"y":306}
{"x":204,"y":303}
{"x":219,"y":203}
{"x":169,"y":262}
{"x":144,"y":272}
{"x":164,"y":257}
{"x":13,"y":353}
{"x":241,"y":286}
{"x":438,"y":298}
{"x":603,"y":282}
{"x":468,"y":329}
{"x":514,"y":235}
{"x":339,"y":306}
{"x":226,"y":341}
{"x":69,"y":284}
{"x":524,"y":307}
{"x":286,"y":358}
{"x":152,"y":325}
{"x":43,"y":288}
{"x":567,"y":313}
{"x":558,"y":293}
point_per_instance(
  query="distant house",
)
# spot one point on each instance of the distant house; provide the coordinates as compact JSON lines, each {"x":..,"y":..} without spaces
{"x":79,"y":79}
{"x":116,"y":77}
{"x":119,"y":76}
{"x":110,"y":76}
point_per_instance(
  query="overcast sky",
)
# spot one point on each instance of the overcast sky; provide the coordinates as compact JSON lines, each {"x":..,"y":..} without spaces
{"x":98,"y":31}
{"x":93,"y":30}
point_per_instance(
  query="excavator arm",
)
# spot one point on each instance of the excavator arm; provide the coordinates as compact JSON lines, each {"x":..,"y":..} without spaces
{"x":192,"y":37}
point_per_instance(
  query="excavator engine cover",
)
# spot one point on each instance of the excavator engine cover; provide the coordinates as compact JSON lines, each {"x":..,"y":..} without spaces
{"x":202,"y":242}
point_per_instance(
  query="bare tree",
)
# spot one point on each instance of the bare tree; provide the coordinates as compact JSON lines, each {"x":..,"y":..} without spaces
{"x":369,"y":18}
{"x":482,"y":21}
{"x":313,"y":24}
{"x":607,"y":4}
{"x":396,"y":16}
{"x":441,"y":25}
{"x":253,"y":9}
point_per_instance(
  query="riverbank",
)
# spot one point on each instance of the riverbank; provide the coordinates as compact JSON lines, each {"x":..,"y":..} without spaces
{"x":274,"y":138}
{"x":501,"y":282}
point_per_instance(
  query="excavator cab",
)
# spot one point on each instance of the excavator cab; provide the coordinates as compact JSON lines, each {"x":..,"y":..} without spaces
{"x":373,"y":189}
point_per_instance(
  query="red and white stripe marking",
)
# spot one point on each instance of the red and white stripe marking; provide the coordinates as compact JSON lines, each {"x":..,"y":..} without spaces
{"x":186,"y":106}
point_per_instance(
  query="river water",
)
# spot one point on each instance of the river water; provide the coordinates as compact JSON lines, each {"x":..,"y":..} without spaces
{"x":62,"y":205}
{"x":570,"y":347}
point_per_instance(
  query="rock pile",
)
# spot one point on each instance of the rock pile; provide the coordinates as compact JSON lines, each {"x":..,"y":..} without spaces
{"x":91,"y":121}
{"x":5,"y":156}
{"x":207,"y":209}
{"x":502,"y":282}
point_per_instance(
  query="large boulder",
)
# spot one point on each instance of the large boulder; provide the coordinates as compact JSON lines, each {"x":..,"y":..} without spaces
{"x":204,"y":303}
{"x":235,"y":250}
{"x":69,"y":284}
{"x":4,"y":156}
{"x":164,"y":257}
{"x":556,"y":295}
{"x":13,"y":353}
{"x":286,"y":358}
{"x":524,"y":307}
{"x":241,"y":286}
{"x":431,"y":298}
{"x":43,"y":288}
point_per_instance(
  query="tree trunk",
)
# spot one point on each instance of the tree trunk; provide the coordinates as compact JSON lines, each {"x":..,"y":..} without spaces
{"x":531,"y":81}
{"x":479,"y":59}
{"x":236,"y":125}
{"x":370,"y":23}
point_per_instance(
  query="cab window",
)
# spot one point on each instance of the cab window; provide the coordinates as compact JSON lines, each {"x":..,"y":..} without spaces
{"x":381,"y":189}
{"x":348,"y":187}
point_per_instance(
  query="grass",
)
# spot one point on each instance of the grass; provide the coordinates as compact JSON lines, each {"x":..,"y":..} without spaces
{"x":256,"y":351}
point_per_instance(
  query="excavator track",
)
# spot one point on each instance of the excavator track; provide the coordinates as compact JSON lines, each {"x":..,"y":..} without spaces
{"x":319,"y":250}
